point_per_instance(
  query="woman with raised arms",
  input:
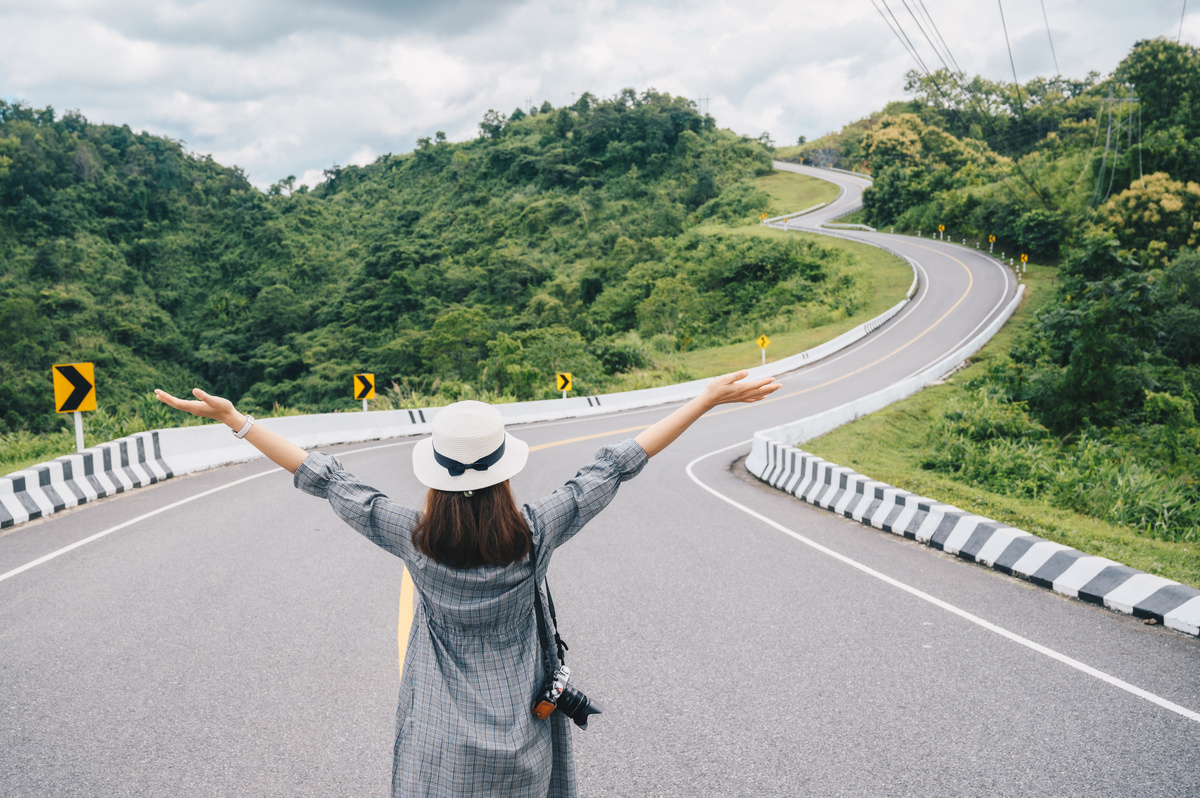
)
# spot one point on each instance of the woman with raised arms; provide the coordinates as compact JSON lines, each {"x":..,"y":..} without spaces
{"x":475,"y":670}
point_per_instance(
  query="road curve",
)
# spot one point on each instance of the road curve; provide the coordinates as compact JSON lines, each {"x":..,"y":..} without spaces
{"x":245,"y":643}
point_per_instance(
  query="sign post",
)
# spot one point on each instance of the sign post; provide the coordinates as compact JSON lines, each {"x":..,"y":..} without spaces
{"x":991,"y":243}
{"x":763,"y":342}
{"x":74,"y":392}
{"x":941,"y":229}
{"x":364,"y":388}
{"x":563,"y":380}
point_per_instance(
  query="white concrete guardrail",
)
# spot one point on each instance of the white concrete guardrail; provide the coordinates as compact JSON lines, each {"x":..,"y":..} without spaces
{"x":148,"y":457}
{"x":776,"y":460}
{"x":783,"y":219}
{"x":837,"y":226}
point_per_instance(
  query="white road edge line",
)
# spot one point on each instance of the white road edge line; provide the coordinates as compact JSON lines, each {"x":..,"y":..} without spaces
{"x":58,"y":552}
{"x":975,"y":619}
{"x":1005,"y":297}
{"x":47,"y":557}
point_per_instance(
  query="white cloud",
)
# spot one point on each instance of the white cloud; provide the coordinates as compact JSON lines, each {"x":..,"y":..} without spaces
{"x":293,"y":87}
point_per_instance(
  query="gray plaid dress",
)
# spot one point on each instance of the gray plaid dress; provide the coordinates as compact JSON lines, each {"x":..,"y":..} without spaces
{"x":473,"y":664}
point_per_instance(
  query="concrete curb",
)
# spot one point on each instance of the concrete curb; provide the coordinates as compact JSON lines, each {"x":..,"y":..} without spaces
{"x":1064,"y":570}
{"x":74,"y":479}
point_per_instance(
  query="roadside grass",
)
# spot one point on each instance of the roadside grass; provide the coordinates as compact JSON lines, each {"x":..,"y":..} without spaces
{"x":884,"y":279}
{"x":795,"y":192}
{"x":855,"y":217}
{"x":790,"y":151}
{"x":891,"y":444}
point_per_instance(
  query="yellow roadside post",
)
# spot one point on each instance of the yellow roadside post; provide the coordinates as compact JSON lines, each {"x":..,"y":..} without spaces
{"x":763,"y":342}
{"x":74,"y":392}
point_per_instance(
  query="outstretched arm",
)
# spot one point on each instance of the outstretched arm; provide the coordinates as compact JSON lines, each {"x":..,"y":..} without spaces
{"x":278,"y":449}
{"x":722,"y":390}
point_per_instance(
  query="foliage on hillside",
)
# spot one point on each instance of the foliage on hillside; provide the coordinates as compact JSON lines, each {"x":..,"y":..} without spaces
{"x":559,"y":239}
{"x":1096,"y":404}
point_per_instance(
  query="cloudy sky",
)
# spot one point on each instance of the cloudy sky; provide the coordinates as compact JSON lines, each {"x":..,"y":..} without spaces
{"x":283,"y":87}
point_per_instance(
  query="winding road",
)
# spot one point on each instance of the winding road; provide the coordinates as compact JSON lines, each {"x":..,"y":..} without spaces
{"x":243,"y":641}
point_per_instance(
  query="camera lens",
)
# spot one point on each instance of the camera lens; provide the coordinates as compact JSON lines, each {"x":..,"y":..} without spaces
{"x":577,"y":706}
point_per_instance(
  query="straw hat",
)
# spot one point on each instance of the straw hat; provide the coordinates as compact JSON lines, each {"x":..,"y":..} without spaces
{"x":469,"y":449}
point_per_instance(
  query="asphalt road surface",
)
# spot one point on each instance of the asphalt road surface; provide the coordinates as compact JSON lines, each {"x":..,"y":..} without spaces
{"x":243,"y":642}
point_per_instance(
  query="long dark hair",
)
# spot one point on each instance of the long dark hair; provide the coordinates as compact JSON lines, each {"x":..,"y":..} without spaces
{"x":466,"y":531}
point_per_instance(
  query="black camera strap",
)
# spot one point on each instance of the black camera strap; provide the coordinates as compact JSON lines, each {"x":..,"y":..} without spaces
{"x":551,"y":666}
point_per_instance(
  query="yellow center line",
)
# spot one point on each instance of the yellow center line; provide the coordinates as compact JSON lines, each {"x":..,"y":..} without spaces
{"x":406,"y":584}
{"x":926,"y":331}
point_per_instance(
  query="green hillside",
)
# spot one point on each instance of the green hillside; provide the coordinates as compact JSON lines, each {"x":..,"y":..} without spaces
{"x":607,"y":239}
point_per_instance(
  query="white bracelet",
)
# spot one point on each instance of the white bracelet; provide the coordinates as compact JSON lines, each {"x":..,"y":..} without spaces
{"x":239,"y":434}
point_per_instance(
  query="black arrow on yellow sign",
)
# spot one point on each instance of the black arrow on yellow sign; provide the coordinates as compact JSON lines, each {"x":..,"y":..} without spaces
{"x":564,"y":380}
{"x":366,"y":384}
{"x":81,"y":389}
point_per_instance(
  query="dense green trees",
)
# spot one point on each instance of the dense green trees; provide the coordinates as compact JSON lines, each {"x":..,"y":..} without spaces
{"x":560,"y":239}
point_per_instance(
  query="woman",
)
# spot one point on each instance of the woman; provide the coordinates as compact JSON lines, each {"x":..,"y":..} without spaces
{"x":474,"y":661}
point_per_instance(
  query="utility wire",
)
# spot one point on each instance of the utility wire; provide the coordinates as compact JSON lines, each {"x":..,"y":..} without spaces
{"x":921,"y":5}
{"x":1141,"y":176}
{"x":902,"y":36}
{"x":960,"y":85}
{"x":1013,"y":63}
{"x":1087,"y":162}
{"x":1181,"y":15}
{"x":907,"y":42}
{"x":1058,"y":71}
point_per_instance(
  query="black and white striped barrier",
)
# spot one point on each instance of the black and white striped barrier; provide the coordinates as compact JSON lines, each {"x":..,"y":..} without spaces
{"x":103,"y":470}
{"x":775,"y":460}
{"x":1060,"y":568}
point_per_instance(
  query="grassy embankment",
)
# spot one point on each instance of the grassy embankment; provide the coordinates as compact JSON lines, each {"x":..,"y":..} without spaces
{"x":891,"y":445}
{"x":881,"y":280}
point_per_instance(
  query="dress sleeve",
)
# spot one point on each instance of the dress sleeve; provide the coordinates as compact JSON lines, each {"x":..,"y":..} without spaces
{"x":384,"y":522}
{"x":564,"y":512}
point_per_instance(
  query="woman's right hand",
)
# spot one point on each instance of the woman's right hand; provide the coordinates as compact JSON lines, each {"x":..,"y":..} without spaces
{"x":278,"y":449}
{"x":205,"y":405}
{"x":729,"y":389}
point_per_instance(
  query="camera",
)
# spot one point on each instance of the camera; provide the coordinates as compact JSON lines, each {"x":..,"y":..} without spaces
{"x":557,"y":694}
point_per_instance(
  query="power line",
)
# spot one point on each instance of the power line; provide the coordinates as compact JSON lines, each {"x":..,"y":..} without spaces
{"x":1051,"y":38}
{"x":946,"y":47}
{"x":1141,"y":176}
{"x":970,"y":97}
{"x":1013,"y":63}
{"x":937,"y":35}
{"x":902,"y":36}
{"x":1181,"y":15}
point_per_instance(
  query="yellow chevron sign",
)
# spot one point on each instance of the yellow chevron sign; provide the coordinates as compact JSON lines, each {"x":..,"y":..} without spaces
{"x":74,"y":387}
{"x":364,"y":386}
